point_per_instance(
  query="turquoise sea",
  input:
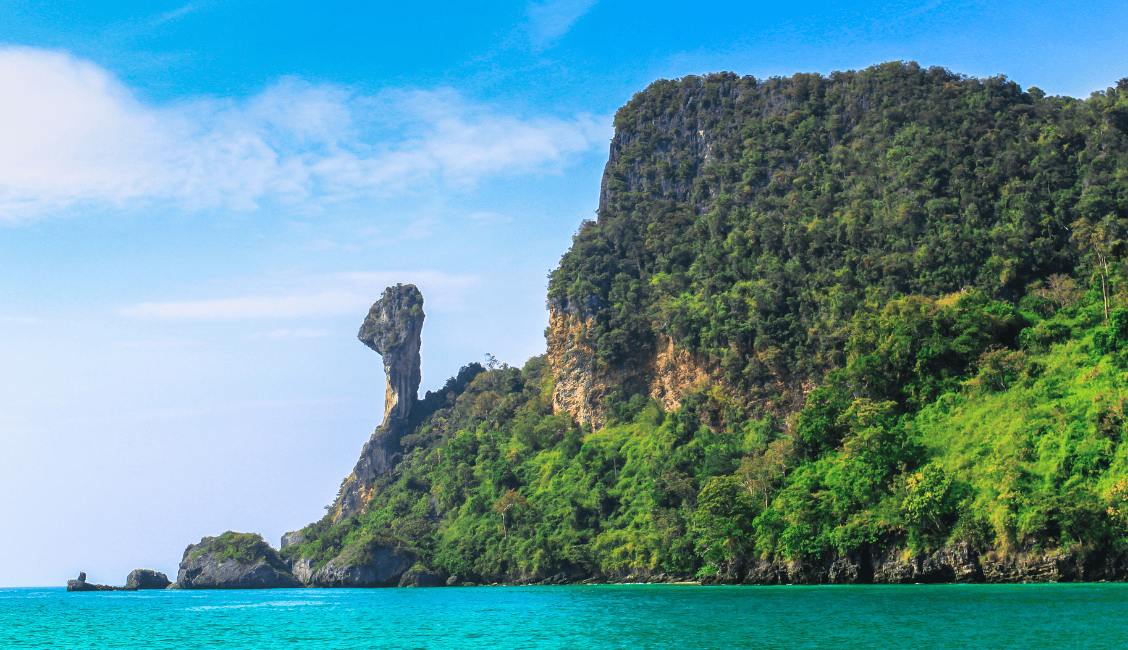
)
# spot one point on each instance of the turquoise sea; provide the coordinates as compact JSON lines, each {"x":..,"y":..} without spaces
{"x":611,"y":616}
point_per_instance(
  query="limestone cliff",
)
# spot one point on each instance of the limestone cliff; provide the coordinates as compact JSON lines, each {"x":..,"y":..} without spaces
{"x":698,"y":132}
{"x":582,"y":383}
{"x":392,"y":328}
{"x":664,"y":371}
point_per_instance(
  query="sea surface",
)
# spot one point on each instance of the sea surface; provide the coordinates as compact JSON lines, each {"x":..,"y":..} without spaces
{"x":611,"y":616}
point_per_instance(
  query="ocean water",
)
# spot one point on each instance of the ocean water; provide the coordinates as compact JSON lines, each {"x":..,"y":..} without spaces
{"x":574,"y":617}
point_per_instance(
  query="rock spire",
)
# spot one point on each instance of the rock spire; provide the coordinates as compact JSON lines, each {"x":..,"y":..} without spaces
{"x":392,"y":328}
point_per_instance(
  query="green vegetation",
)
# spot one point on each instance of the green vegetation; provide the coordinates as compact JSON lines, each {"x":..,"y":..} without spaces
{"x":749,"y":218}
{"x":244,"y":548}
{"x":941,"y":427}
{"x":940,"y":254}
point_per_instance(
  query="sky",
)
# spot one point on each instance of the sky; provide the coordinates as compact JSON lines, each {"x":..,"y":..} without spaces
{"x":200,"y":201}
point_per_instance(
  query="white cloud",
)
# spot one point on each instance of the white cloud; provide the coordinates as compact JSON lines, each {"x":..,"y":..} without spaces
{"x":336,"y":294}
{"x":73,"y":135}
{"x":293,"y":306}
{"x":549,"y":20}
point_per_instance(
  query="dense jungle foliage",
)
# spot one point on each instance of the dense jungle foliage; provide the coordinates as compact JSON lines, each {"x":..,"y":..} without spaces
{"x":944,"y":254}
{"x":749,"y":218}
{"x":956,"y":418}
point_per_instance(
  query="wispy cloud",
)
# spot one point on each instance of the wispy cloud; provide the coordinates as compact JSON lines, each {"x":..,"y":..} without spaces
{"x":284,"y":334}
{"x":486,"y":218}
{"x":176,"y":14}
{"x":549,"y":20}
{"x":75,"y":136}
{"x":336,"y":294}
{"x":156,"y":344}
{"x":294,"y":306}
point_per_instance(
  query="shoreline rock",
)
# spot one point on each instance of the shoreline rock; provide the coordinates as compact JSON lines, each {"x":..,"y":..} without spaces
{"x":380,"y":567}
{"x":82,"y":585}
{"x":146,"y":579}
{"x":233,"y":561}
{"x":950,"y":564}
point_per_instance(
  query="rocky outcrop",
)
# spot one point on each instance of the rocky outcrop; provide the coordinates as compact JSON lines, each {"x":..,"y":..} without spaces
{"x":303,"y":569}
{"x":659,"y":369}
{"x":82,"y":585}
{"x":393,"y":329}
{"x":294,"y":538}
{"x":146,"y":579}
{"x":952,"y":563}
{"x":582,"y":382}
{"x":423,"y":578}
{"x":232,"y":561}
{"x":579,"y":385}
{"x":379,"y":567}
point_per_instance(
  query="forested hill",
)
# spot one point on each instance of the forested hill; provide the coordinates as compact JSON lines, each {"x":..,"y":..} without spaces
{"x":869,"y":327}
{"x":750,"y":218}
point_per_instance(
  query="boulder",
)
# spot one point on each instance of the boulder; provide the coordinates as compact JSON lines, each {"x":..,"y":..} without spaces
{"x":146,"y":579}
{"x":379,"y":567}
{"x":423,"y":578}
{"x":233,"y":561}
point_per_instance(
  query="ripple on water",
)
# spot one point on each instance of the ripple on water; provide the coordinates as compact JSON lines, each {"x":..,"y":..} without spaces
{"x":625,"y":616}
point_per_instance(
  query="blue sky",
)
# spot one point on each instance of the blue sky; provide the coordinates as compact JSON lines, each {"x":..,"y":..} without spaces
{"x":199,"y":201}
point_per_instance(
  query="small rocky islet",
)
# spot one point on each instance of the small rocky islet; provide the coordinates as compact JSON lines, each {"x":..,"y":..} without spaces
{"x":137,"y":580}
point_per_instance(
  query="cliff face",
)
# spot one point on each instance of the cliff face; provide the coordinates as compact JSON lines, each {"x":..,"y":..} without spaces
{"x":699,"y":123}
{"x":582,"y":383}
{"x":747,"y":219}
{"x":392,"y":328}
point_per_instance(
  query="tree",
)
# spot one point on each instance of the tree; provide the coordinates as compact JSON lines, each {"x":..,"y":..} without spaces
{"x":1100,"y":241}
{"x":723,"y":521}
{"x":761,"y":474}
{"x":511,"y":498}
{"x":927,"y":497}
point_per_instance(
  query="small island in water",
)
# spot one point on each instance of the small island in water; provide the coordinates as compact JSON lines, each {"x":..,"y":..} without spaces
{"x":869,"y":327}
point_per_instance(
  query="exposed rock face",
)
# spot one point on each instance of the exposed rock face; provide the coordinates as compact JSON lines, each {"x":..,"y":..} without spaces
{"x":667,"y":375}
{"x":579,"y":387}
{"x":82,"y":585}
{"x":146,"y":579}
{"x":292,"y":539}
{"x":954,"y":563}
{"x":660,"y":369}
{"x":392,"y":328}
{"x":697,"y":128}
{"x":200,"y":568}
{"x":418,"y":578}
{"x":303,"y":570}
{"x":381,"y":567}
